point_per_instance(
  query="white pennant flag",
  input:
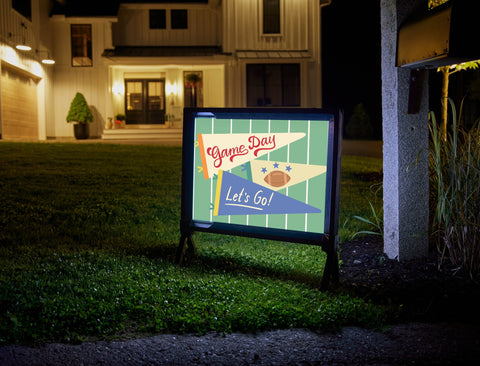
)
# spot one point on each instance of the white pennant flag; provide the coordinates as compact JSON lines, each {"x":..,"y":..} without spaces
{"x":277,"y":175}
{"x":226,"y":151}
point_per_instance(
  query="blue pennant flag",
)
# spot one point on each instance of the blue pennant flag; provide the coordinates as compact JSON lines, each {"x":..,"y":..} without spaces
{"x":238,"y":196}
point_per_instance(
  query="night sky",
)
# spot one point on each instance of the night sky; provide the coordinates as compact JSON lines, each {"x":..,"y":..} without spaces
{"x":351,"y":57}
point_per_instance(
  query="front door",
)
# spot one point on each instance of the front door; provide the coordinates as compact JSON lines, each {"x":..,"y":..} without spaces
{"x":145,"y":101}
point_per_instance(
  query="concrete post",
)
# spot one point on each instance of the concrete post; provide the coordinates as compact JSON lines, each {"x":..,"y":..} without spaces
{"x":405,"y":183}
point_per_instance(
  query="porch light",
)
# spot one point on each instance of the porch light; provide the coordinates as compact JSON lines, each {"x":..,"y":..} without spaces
{"x":46,"y":60}
{"x":23,"y":46}
{"x":172,"y":89}
{"x":118,"y":88}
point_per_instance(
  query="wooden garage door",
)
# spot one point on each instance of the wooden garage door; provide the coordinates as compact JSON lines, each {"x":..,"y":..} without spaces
{"x":19,"y":105}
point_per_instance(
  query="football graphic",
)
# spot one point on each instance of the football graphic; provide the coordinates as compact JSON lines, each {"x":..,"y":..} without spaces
{"x":277,"y":175}
{"x":277,"y":178}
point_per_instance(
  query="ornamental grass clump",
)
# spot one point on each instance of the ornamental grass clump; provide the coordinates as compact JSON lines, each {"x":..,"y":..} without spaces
{"x":455,"y":185}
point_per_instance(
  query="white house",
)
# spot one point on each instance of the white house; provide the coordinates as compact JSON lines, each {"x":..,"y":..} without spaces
{"x":148,"y":60}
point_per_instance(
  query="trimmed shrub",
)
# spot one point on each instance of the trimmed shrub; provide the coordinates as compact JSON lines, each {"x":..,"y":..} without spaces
{"x":79,"y":110}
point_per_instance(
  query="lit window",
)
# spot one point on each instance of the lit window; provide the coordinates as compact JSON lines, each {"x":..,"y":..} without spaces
{"x":81,"y":44}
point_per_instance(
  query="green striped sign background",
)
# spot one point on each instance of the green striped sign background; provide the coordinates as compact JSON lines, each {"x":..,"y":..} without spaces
{"x":312,"y":150}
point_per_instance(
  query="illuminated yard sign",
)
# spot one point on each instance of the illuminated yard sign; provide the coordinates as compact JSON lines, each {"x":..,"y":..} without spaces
{"x":266,"y":173}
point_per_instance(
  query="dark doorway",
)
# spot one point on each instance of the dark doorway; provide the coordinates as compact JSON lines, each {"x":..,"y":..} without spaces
{"x":273,"y":85}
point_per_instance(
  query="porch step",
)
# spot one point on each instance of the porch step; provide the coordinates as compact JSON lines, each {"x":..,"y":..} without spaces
{"x":139,"y":133}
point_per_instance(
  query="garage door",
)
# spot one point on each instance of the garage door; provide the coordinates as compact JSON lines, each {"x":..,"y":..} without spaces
{"x":19,"y":118}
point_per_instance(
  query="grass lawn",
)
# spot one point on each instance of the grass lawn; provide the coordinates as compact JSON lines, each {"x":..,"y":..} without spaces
{"x":88,"y":234}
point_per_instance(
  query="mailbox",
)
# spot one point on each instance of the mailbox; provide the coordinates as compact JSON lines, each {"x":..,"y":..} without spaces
{"x":444,"y":36}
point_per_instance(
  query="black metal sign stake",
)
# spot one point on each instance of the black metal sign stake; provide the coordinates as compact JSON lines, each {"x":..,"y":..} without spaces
{"x":186,"y":246}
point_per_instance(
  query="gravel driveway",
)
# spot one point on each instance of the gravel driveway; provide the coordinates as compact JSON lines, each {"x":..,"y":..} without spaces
{"x":413,"y":343}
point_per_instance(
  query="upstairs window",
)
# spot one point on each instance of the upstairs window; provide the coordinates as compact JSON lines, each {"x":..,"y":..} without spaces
{"x":179,"y":19}
{"x":81,"y":44}
{"x":271,"y":16}
{"x":158,"y":19}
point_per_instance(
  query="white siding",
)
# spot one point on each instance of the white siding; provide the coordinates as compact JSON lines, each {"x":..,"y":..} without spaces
{"x":214,"y":88}
{"x":242,"y":26}
{"x":11,"y":33}
{"x":11,"y":29}
{"x":299,"y":37}
{"x":92,"y":81}
{"x":133,"y":29}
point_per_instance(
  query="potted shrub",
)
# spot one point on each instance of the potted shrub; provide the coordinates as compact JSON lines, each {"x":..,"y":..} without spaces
{"x":81,"y":115}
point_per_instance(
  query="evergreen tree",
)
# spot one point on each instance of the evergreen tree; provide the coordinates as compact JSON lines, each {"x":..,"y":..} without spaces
{"x":79,"y":110}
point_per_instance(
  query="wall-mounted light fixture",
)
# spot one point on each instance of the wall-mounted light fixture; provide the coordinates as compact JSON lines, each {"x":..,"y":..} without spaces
{"x":172,"y":91}
{"x":47,"y":60}
{"x":21,"y":44}
{"x":118,"y":89}
{"x":171,"y":88}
